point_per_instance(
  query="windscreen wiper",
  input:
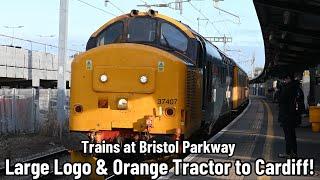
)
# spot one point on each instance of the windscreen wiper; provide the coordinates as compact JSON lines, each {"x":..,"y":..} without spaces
{"x":167,"y":43}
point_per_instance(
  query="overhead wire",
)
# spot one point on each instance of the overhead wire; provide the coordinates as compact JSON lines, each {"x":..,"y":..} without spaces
{"x":212,"y":24}
{"x":227,"y":28}
{"x":164,"y":2}
{"x":187,"y":19}
{"x":145,"y":2}
{"x":214,"y":27}
{"x":116,"y":7}
{"x":107,"y":12}
{"x":112,"y":14}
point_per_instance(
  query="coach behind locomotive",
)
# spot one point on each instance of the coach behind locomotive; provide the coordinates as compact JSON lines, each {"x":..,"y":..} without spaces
{"x":145,"y":75}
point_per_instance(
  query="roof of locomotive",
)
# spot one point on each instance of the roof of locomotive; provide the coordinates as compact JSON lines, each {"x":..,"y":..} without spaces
{"x":233,"y":62}
{"x":178,"y":24}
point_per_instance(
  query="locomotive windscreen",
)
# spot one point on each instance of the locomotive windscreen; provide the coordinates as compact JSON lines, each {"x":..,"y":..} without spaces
{"x":172,"y":37}
{"x":111,"y":35}
{"x":142,"y":30}
{"x":148,"y":30}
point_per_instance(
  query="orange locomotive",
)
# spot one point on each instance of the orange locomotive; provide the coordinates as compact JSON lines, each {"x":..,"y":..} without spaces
{"x":145,"y":76}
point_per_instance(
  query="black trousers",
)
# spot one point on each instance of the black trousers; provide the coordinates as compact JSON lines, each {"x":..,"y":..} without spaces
{"x":291,"y":139}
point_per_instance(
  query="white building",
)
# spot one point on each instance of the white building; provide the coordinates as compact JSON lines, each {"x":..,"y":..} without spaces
{"x":22,"y":64}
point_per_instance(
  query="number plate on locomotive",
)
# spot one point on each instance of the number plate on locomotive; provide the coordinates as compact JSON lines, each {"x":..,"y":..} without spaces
{"x":167,"y":101}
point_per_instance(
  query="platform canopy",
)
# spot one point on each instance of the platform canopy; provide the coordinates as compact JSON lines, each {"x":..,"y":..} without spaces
{"x":291,"y":33}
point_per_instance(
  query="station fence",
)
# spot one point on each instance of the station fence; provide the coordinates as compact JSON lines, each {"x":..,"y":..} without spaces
{"x":26,"y":111}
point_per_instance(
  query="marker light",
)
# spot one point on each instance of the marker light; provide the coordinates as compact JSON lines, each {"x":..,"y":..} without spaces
{"x":143,"y":79}
{"x":103,"y":103}
{"x":170,"y":112}
{"x":103,"y":78}
{"x":78,"y":108}
{"x":122,"y":104}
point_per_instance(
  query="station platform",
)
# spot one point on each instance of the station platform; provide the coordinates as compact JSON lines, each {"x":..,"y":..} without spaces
{"x":257,"y":134}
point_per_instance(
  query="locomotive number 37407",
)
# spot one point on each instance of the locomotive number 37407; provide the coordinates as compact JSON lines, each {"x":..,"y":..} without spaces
{"x":167,"y":101}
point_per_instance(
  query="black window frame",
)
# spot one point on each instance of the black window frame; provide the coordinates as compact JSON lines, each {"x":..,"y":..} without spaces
{"x":186,"y":52}
{"x":155,"y":41}
{"x":106,"y":29}
{"x":216,"y":55}
{"x":188,"y":55}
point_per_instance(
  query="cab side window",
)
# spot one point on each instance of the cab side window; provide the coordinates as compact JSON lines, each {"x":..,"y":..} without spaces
{"x":173,"y":38}
{"x":111,"y":35}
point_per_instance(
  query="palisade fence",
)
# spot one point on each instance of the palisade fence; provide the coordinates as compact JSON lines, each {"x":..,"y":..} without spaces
{"x":25,"y":111}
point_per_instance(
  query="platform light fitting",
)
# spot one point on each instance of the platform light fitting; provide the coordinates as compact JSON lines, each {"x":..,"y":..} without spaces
{"x":286,"y":17}
{"x":270,"y":37}
{"x":283,"y":35}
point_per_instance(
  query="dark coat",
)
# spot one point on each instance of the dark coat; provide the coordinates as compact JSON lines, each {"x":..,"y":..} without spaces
{"x":290,"y":105}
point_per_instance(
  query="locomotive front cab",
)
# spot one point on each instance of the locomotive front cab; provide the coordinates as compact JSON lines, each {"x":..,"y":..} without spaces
{"x":131,"y":83}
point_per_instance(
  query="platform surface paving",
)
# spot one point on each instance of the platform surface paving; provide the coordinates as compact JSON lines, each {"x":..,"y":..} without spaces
{"x":257,"y":134}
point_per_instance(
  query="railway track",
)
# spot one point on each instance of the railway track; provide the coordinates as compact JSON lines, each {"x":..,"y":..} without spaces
{"x":61,"y":154}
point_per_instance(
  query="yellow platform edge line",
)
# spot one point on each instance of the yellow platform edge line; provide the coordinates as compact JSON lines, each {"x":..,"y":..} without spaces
{"x":267,"y":150}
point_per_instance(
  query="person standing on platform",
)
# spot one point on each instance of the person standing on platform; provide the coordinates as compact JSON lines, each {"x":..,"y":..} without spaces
{"x":289,"y":114}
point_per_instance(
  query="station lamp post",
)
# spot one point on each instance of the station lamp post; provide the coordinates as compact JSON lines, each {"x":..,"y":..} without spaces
{"x":13,"y":27}
{"x":46,"y":37}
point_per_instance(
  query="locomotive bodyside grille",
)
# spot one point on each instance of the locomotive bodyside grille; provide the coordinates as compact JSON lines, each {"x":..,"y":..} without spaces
{"x":193,"y":94}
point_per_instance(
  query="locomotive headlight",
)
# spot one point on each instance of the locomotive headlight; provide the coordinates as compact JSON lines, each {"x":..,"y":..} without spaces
{"x":122,"y":104}
{"x":143,"y":79}
{"x":103,"y":78}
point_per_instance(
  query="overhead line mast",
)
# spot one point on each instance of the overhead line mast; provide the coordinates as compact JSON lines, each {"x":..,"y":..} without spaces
{"x":62,"y":56}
